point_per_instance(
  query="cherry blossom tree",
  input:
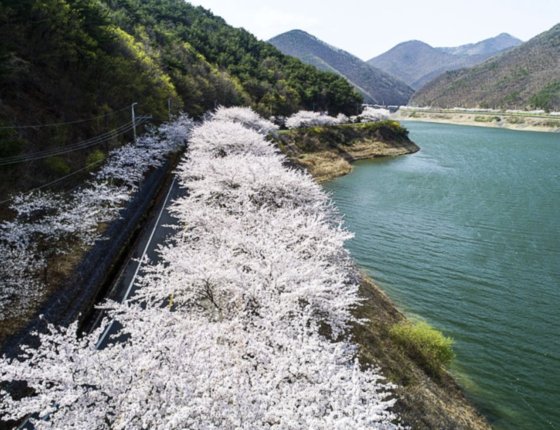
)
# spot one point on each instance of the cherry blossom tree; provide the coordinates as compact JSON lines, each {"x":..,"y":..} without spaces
{"x":46,"y":223}
{"x":371,"y":114}
{"x":245,"y":116}
{"x":241,"y":323}
{"x":178,"y":370}
{"x":309,"y":119}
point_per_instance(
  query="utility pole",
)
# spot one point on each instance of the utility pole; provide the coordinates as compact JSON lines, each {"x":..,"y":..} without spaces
{"x":134,"y":121}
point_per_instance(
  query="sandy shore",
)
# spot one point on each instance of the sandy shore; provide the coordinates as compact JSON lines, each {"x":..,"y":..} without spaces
{"x":491,"y":120}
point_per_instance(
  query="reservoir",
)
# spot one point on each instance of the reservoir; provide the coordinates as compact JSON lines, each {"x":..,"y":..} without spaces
{"x":465,"y":234}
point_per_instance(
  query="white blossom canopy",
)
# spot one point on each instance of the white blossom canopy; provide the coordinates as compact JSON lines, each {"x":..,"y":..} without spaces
{"x":226,"y":329}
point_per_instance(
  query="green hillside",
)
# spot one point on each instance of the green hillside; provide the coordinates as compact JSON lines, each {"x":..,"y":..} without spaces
{"x":527,"y":76}
{"x":65,"y":61}
{"x":375,"y":85}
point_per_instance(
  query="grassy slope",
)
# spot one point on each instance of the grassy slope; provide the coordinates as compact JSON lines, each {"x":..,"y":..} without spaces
{"x":426,"y":400}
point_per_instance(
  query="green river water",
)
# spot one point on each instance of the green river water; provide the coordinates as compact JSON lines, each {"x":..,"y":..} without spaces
{"x":466,"y":235}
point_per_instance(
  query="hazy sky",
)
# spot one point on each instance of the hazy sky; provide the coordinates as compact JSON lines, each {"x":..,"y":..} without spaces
{"x":368,"y":28}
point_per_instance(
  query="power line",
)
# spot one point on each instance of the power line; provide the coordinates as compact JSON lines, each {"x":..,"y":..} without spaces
{"x":105,"y":137}
{"x":56,"y":181}
{"x":62,"y":149}
{"x":57,"y":124}
{"x":80,"y":145}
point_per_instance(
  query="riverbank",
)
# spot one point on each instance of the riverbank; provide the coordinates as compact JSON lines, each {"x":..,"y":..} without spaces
{"x":327,"y":152}
{"x":455,"y":234}
{"x":510,"y":121}
{"x":425,"y":400}
{"x":90,"y":267}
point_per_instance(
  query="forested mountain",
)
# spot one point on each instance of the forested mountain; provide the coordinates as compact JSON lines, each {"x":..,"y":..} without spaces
{"x":417,"y":63}
{"x":527,"y":76}
{"x":68,"y":60}
{"x":375,"y":85}
{"x":414,"y":62}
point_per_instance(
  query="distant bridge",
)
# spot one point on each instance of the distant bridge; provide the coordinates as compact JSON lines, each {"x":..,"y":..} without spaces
{"x":390,"y":108}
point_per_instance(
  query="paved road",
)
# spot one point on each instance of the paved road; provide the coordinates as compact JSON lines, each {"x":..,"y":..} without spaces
{"x":154,"y":233}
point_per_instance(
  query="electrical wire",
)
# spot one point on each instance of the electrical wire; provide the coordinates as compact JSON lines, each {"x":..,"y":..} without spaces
{"x":56,"y":181}
{"x":57,"y":124}
{"x":102,"y":138}
{"x":68,"y":148}
{"x":127,"y":127}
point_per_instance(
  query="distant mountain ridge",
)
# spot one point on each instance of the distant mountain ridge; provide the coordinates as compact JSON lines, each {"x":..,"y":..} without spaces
{"x":527,"y":76}
{"x":375,"y":85}
{"x":417,"y":63}
{"x":485,"y":47}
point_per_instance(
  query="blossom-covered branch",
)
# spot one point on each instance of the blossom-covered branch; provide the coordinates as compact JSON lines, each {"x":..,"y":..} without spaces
{"x":47,"y":223}
{"x":242,"y":323}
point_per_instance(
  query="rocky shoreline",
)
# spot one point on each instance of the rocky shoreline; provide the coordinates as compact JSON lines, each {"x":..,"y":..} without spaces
{"x":327,"y":152}
{"x":425,"y":401}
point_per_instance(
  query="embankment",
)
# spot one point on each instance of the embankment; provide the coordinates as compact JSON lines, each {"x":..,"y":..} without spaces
{"x":89,"y":271}
{"x":327,"y":152}
{"x":426,"y":400}
{"x":510,"y":121}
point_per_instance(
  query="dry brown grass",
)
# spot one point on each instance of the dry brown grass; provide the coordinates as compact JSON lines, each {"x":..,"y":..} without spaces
{"x":327,"y":152}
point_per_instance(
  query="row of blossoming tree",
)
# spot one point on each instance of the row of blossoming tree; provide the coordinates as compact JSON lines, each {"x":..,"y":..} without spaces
{"x":310,"y":118}
{"x":241,"y":324}
{"x":48,"y":225}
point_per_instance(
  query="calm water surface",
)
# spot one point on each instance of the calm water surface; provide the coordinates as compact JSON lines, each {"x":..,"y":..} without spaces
{"x":466,"y":235}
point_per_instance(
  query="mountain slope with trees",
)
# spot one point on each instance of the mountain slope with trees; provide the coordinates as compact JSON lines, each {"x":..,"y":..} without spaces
{"x":375,"y":85}
{"x":63,"y":61}
{"x":486,"y":47}
{"x":417,"y":63}
{"x":527,"y":76}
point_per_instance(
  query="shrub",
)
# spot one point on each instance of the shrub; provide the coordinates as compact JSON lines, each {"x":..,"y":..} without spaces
{"x":487,"y":119}
{"x":94,"y":159}
{"x":515,"y":120}
{"x":428,"y":346}
{"x":551,"y":123}
{"x":57,"y":166}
